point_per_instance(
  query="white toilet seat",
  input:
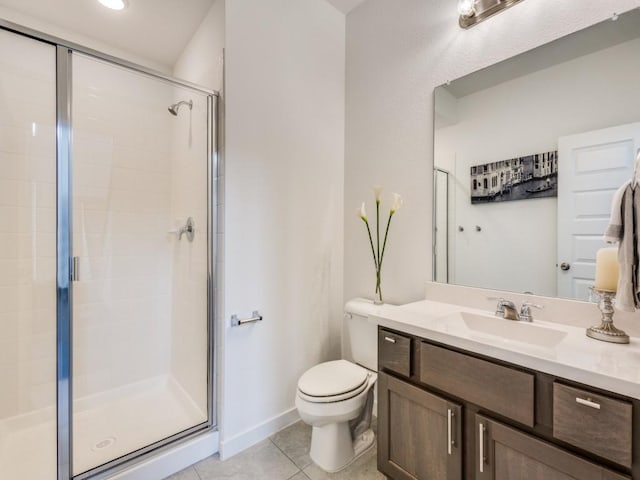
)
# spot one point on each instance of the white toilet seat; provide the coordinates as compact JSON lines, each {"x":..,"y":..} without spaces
{"x":333,"y":381}
{"x":334,"y":398}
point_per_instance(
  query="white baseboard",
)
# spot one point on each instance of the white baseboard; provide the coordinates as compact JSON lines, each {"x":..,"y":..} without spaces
{"x":237,"y":443}
{"x":171,"y":461}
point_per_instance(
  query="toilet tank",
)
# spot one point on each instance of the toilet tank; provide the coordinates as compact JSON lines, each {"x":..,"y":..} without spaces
{"x":360,"y":334}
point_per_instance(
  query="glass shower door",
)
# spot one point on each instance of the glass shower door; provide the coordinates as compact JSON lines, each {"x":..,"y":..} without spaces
{"x":140,"y":243}
{"x":27,"y":258}
{"x":441,"y":226}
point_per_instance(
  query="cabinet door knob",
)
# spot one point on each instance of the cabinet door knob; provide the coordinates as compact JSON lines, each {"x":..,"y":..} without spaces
{"x":564,"y":266}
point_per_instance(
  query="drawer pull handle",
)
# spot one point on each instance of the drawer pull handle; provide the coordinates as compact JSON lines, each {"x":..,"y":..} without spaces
{"x":390,"y":340}
{"x":588,"y":402}
{"x":481,"y":458}
{"x":450,"y":440}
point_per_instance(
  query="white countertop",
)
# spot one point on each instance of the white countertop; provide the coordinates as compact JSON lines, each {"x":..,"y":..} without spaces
{"x":553,"y":348}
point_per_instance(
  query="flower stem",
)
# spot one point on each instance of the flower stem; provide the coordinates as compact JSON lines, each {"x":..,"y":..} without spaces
{"x":375,"y":260}
{"x":384,"y":244}
{"x":378,"y":230}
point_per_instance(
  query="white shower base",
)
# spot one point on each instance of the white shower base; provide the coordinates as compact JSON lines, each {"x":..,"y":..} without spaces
{"x":106,"y":426}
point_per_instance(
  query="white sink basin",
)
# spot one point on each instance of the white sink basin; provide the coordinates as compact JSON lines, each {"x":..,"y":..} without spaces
{"x":512,"y":331}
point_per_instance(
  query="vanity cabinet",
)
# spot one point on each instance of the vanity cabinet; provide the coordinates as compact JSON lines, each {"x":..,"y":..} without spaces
{"x":419,"y":433}
{"x":444,"y":413}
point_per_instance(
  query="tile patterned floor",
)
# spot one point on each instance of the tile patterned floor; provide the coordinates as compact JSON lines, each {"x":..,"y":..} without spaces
{"x":284,"y":456}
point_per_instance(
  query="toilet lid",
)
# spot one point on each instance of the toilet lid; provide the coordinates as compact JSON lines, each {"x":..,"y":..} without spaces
{"x":332,"y":378}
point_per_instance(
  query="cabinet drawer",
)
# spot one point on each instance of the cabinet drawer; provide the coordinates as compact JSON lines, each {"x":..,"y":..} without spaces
{"x":394,"y":352}
{"x":593,"y":422}
{"x":503,"y":390}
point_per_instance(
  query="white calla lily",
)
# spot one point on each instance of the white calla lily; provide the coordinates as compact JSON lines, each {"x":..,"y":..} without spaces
{"x":397,"y":203}
{"x":377,"y":193}
{"x":362,"y":213}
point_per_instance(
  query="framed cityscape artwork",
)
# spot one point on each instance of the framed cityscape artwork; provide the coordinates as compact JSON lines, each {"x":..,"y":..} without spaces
{"x":532,"y":176}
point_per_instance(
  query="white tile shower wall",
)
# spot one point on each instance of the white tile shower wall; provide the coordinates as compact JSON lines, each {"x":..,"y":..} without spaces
{"x":27,"y":227}
{"x":121,"y":215}
{"x":189,"y":279}
{"x":202,"y":63}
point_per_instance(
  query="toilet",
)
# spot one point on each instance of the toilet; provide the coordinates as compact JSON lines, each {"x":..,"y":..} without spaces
{"x":336,"y":398}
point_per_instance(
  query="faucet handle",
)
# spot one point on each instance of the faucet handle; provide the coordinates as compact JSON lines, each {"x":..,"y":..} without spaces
{"x":531,"y":304}
{"x":525,"y":310}
{"x":499,"y":307}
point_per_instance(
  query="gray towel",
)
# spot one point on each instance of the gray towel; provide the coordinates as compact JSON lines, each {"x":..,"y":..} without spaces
{"x":613,"y":233}
{"x":627,"y":296}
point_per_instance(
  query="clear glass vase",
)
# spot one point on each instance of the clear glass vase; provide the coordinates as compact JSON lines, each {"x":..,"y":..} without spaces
{"x":377,"y":298}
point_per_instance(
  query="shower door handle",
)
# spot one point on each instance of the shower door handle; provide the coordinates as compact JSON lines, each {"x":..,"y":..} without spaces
{"x":75,"y":269}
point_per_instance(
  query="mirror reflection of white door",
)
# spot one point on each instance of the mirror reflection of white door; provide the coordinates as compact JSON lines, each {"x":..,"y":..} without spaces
{"x":591,"y":167}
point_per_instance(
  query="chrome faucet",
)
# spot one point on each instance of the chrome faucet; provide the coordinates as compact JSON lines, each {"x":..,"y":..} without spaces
{"x":507,"y":309}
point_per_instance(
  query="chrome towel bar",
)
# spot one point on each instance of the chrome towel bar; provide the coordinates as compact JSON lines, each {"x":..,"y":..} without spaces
{"x":236,"y":322}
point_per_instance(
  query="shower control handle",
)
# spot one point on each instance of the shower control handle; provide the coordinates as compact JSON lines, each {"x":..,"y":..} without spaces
{"x":187,"y":229}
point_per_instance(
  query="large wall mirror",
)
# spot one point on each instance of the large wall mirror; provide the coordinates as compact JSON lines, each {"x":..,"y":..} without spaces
{"x":528,"y":154}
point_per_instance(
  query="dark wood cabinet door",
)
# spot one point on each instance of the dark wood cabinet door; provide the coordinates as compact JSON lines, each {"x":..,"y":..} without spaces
{"x":419,"y":434}
{"x":504,"y":453}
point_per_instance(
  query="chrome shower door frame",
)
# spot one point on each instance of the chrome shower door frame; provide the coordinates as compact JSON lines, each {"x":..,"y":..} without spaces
{"x":64,"y":247}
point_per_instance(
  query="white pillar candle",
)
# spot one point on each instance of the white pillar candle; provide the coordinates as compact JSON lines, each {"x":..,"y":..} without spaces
{"x":607,"y":269}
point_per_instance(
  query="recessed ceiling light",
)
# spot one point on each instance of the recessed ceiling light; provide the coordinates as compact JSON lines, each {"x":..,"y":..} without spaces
{"x":114,"y":4}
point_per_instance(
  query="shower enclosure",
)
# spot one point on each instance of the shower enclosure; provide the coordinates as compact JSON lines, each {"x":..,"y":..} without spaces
{"x":107,"y":226}
{"x":441,"y":225}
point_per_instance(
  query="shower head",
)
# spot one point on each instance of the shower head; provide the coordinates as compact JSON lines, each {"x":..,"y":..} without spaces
{"x":173,"y":109}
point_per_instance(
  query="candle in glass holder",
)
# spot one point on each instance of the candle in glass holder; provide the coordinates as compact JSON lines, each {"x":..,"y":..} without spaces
{"x":607,"y":269}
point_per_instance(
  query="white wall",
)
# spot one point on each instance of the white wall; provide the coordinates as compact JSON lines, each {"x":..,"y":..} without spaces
{"x":535,"y":115}
{"x":284,"y":200}
{"x":201,"y":61}
{"x":397,"y":52}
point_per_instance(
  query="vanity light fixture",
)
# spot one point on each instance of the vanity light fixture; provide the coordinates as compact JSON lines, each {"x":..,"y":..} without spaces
{"x":473,"y":12}
{"x":115,"y":4}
